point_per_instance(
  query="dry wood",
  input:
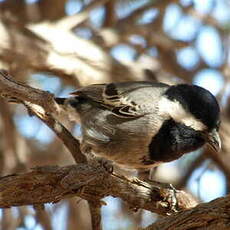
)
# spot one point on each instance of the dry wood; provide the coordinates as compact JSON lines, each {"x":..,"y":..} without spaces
{"x":52,"y":183}
{"x":208,"y":216}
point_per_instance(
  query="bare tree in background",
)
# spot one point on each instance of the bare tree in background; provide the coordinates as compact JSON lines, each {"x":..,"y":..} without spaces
{"x":43,"y":46}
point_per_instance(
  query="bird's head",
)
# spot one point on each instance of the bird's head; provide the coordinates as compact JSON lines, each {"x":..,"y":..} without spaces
{"x":196,"y":108}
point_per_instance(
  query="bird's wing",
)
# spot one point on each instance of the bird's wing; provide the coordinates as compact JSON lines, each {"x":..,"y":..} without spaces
{"x":115,"y":97}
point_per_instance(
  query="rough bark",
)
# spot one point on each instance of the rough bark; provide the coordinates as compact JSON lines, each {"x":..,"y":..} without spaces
{"x":52,"y":184}
{"x":207,"y":216}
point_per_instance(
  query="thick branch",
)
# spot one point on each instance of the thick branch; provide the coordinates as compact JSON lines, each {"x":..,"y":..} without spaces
{"x":207,"y":216}
{"x":51,"y":184}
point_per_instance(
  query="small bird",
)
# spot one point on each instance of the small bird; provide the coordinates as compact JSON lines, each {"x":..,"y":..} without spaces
{"x":143,"y":124}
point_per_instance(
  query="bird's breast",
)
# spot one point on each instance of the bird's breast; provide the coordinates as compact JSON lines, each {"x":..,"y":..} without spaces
{"x":124,"y":141}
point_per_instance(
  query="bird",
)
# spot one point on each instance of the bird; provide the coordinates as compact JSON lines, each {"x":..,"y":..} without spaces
{"x":140,"y":124}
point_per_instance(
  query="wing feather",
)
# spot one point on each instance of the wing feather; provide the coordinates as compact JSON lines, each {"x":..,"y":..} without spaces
{"x":114,"y":96}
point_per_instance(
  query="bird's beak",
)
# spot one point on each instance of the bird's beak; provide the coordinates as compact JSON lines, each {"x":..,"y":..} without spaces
{"x":213,"y":139}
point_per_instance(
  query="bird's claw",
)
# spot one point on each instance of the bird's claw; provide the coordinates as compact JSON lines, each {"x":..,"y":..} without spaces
{"x":106,"y":164}
{"x":168,"y":192}
{"x":170,"y":198}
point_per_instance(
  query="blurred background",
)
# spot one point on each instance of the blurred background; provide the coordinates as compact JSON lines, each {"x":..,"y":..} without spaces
{"x":59,"y":45}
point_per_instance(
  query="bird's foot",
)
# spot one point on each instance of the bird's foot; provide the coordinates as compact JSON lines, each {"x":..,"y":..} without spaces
{"x":171,"y":198}
{"x":95,"y":160}
{"x":100,"y":161}
{"x":106,"y":164}
{"x":168,"y":192}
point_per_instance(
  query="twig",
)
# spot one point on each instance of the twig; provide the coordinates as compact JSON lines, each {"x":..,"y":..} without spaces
{"x":95,"y":210}
{"x":12,"y":88}
{"x":42,"y":104}
{"x":68,"y":140}
{"x":71,"y":22}
{"x":43,"y":217}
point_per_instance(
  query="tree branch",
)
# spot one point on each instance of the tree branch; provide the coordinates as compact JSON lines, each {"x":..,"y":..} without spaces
{"x":206,"y":216}
{"x":95,"y":211}
{"x":42,"y":104}
{"x":52,"y":184}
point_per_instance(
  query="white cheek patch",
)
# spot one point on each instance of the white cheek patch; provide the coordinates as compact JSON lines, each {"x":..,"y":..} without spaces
{"x":175,"y":110}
